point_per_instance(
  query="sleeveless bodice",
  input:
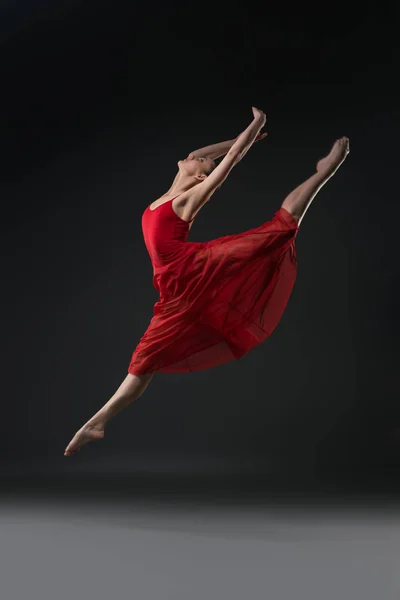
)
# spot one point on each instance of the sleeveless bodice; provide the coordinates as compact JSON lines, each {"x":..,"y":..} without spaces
{"x":163,"y":231}
{"x":165,"y":235}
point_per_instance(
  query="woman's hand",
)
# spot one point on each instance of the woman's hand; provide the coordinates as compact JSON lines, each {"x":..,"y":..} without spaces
{"x":249,"y":135}
{"x":259,"y":114}
{"x":261,"y":136}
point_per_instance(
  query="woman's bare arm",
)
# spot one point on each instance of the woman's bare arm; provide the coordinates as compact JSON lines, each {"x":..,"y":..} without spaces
{"x":203,"y":191}
{"x":216,"y":150}
{"x":247,"y":138}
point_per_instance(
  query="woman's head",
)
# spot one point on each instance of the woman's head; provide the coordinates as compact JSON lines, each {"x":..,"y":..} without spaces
{"x":198,"y":167}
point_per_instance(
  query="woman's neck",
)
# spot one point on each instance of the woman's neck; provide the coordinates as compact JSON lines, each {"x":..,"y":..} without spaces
{"x":180,"y":185}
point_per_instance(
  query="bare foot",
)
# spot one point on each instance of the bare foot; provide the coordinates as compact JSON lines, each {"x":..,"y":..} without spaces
{"x":88,"y":433}
{"x":336,"y":156}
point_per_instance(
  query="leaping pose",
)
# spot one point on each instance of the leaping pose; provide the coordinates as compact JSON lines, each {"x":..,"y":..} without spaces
{"x":221,"y":298}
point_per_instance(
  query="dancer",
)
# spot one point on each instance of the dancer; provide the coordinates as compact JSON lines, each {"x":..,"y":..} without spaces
{"x":221,"y":298}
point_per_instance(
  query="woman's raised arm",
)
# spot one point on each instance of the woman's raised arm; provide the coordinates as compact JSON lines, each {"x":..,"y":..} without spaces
{"x":203,"y":191}
{"x":213,"y":151}
{"x":247,"y":138}
{"x":238,"y":149}
{"x":216,"y":150}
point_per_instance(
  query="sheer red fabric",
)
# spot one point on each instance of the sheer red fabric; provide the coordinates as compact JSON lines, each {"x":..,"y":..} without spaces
{"x":218,"y":299}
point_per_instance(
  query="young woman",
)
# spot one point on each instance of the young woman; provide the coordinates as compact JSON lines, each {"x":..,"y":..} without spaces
{"x":218,"y":299}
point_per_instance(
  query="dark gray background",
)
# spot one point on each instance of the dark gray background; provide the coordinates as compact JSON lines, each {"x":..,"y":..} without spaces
{"x":99,"y":102}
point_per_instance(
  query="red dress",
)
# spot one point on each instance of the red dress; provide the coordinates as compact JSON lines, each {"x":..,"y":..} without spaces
{"x":218,"y":299}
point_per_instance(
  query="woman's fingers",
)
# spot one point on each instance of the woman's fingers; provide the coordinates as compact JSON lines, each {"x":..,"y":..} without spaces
{"x":261,"y":136}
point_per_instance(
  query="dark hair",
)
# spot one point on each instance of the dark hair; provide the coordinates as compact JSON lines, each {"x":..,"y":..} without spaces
{"x":212,"y":168}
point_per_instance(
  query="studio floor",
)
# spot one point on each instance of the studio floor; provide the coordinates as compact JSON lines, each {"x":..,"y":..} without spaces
{"x":65,"y":546}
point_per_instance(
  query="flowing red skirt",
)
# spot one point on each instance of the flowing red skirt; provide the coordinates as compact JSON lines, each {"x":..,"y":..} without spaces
{"x":225,"y":297}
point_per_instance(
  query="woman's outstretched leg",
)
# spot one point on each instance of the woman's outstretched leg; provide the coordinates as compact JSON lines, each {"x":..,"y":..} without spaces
{"x":130,"y":389}
{"x":300,"y":199}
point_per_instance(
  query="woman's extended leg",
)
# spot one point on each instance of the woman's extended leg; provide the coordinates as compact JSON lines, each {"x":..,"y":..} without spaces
{"x":300,"y":199}
{"x":130,"y":389}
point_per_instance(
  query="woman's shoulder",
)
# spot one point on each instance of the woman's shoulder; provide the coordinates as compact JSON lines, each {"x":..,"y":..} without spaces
{"x":180,"y":200}
{"x":158,"y":201}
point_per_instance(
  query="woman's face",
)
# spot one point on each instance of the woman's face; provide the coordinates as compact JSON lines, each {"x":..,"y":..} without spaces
{"x":199,"y":165}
